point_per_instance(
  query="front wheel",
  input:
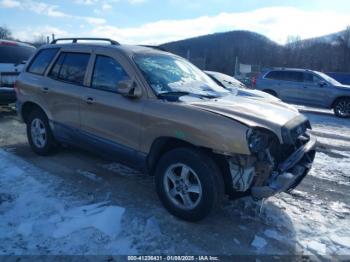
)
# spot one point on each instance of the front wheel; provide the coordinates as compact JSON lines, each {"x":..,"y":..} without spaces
{"x":39,"y":133}
{"x":189,"y":184}
{"x":342,"y":108}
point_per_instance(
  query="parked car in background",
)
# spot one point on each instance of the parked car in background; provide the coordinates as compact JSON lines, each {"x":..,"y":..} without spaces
{"x":12,"y":58}
{"x":157,"y":112}
{"x":307,"y":87}
{"x":232,"y":84}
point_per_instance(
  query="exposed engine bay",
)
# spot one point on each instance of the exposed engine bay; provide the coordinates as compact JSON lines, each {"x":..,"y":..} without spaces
{"x":273,"y":167}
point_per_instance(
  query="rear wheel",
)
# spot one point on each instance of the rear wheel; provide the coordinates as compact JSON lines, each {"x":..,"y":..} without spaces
{"x":189,"y":183}
{"x":342,"y":107}
{"x":39,"y":133}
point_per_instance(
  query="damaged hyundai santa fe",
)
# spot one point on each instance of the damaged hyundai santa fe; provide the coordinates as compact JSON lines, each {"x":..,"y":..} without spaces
{"x":158,"y":113}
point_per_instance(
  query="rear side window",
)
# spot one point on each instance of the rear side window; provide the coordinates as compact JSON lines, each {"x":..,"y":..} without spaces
{"x":293,"y":76}
{"x":107,"y":73}
{"x":275,"y":75}
{"x":42,"y":60}
{"x":70,"y":67}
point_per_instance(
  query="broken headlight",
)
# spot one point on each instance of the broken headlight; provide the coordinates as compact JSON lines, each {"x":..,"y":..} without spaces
{"x":257,"y":140}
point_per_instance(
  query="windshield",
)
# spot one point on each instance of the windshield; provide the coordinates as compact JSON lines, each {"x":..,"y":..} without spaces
{"x":328,"y":78}
{"x":228,"y":81}
{"x":169,"y":74}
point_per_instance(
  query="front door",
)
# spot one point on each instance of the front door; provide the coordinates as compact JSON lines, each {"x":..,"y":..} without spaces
{"x":315,"y":91}
{"x":110,"y":121}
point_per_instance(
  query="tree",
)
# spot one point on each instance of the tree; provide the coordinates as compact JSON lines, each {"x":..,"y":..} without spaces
{"x":39,"y":40}
{"x":5,"y":33}
{"x":344,"y":42}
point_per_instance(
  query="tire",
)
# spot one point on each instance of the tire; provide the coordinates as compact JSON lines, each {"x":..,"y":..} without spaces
{"x":203,"y":176}
{"x":271,"y":92}
{"x":341,"y":108}
{"x":41,"y":143}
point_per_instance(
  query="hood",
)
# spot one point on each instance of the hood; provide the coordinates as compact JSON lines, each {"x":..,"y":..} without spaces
{"x":252,"y":112}
{"x":343,"y":87}
{"x":257,"y":94}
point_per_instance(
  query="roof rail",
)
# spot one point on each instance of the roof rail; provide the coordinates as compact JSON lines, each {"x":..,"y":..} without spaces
{"x":76,"y":39}
{"x":156,"y":47}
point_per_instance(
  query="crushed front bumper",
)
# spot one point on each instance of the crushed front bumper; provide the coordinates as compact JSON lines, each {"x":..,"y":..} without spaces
{"x":289,"y":173}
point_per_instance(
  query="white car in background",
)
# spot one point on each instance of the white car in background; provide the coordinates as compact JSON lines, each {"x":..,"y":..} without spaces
{"x":232,"y":84}
{"x":13,"y":56}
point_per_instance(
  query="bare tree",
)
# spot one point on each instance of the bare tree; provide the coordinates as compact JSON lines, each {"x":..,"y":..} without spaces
{"x":5,"y":33}
{"x":39,"y":40}
{"x":344,"y":42}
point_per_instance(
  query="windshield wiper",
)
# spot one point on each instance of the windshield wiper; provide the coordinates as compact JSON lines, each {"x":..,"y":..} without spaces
{"x":172,"y":93}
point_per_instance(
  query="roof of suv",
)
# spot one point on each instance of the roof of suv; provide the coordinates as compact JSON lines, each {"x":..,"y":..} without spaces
{"x":127,"y":49}
{"x":289,"y":69}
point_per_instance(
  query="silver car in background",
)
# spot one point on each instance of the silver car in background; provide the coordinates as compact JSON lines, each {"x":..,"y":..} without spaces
{"x":306,"y":87}
{"x":232,"y":84}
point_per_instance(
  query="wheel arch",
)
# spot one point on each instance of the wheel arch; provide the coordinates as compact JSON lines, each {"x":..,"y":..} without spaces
{"x":29,"y":107}
{"x":337,"y":99}
{"x":162,"y":145}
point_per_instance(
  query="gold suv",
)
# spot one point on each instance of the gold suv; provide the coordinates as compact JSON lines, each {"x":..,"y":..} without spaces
{"x":158,"y":113}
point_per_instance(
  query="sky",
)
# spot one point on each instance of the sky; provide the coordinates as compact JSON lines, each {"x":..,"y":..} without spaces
{"x":161,"y":21}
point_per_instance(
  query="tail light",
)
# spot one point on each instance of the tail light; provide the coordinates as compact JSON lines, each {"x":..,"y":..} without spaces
{"x":253,"y":81}
{"x":16,"y":87}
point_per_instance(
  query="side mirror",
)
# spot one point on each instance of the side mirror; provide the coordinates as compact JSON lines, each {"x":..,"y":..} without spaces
{"x":129,"y":88}
{"x":322,"y":83}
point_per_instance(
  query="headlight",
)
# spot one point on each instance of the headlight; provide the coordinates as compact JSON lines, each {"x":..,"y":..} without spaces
{"x":257,"y":140}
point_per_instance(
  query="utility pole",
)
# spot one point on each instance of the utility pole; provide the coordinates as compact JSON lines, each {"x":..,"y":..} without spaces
{"x":236,"y":66}
{"x":188,"y":54}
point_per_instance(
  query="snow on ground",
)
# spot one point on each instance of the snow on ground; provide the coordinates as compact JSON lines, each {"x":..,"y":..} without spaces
{"x":35,"y":219}
{"x":334,"y":166}
{"x":41,"y":214}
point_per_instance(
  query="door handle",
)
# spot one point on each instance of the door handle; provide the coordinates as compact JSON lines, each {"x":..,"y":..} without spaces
{"x":89,"y":100}
{"x":45,"y":89}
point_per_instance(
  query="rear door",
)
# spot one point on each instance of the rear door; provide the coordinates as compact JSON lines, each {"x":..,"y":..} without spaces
{"x":63,"y":88}
{"x":286,"y":84}
{"x":110,"y":120}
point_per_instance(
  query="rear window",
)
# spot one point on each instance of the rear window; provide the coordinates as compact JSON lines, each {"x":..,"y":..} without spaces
{"x":70,"y":67}
{"x":42,"y":60}
{"x":15,"y":54}
{"x":292,"y":76}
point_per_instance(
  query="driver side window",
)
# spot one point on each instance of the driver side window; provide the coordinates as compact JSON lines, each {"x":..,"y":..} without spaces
{"x":311,"y":78}
{"x":107,"y":74}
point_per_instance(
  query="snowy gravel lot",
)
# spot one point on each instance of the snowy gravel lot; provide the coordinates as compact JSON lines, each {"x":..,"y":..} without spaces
{"x":77,"y":203}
